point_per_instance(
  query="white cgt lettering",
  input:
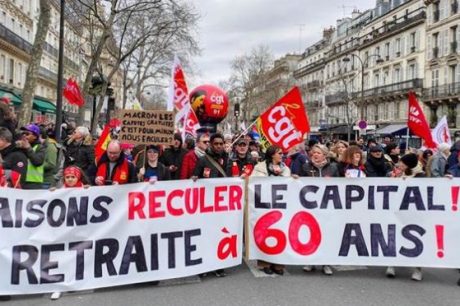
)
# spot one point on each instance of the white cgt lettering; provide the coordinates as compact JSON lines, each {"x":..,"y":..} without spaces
{"x":283,"y":128}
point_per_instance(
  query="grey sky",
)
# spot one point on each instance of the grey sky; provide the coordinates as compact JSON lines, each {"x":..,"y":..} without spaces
{"x":233,"y":27}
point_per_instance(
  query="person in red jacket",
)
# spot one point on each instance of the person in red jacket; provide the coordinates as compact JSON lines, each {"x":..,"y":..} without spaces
{"x":192,"y":156}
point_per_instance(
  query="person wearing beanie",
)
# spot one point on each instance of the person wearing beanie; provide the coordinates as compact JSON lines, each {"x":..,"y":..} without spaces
{"x":408,"y":166}
{"x":173,"y":157}
{"x":376,"y":165}
{"x":153,"y":170}
{"x":439,"y":163}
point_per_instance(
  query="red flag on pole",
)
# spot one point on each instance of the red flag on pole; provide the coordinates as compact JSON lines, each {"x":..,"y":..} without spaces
{"x":417,"y":123}
{"x":104,"y":139}
{"x":284,"y":123}
{"x":72,"y":93}
{"x":178,"y":92}
{"x":191,"y":124}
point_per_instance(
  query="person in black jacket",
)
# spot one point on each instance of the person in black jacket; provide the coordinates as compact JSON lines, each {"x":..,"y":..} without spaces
{"x":376,"y":164}
{"x":153,"y":170}
{"x":173,"y":157}
{"x":13,"y":159}
{"x":241,"y":163}
{"x":79,"y":149}
{"x":214,"y":162}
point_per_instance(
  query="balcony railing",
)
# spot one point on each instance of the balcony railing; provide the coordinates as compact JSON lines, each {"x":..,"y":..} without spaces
{"x":446,"y":90}
{"x":15,"y":39}
{"x":304,"y":70}
{"x":47,"y":74}
{"x":401,"y":87}
{"x":336,"y":98}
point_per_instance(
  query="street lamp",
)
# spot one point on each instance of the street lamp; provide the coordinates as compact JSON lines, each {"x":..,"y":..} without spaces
{"x":363,"y":65}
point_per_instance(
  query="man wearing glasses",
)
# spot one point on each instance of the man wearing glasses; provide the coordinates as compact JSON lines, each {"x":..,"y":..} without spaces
{"x":192,"y":156}
{"x":212,"y":165}
{"x":113,"y":168}
{"x":376,"y":164}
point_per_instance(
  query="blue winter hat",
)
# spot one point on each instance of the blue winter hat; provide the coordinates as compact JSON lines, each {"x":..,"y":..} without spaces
{"x":34,"y":129}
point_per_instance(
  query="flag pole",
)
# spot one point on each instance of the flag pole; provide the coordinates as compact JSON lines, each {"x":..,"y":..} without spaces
{"x":244,"y":132}
{"x":407,"y":139}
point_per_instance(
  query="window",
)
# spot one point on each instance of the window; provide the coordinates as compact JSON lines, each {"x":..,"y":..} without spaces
{"x":387,"y":51}
{"x":412,"y":72}
{"x":11,"y":71}
{"x":398,"y":47}
{"x":2,"y":67}
{"x":412,"y":42}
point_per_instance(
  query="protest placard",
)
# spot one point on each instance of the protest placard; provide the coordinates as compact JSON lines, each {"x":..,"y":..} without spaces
{"x":146,"y":127}
{"x":113,"y":235}
{"x":370,"y":221}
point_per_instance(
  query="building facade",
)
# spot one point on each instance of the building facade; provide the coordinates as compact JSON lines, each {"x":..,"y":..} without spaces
{"x":442,"y":66}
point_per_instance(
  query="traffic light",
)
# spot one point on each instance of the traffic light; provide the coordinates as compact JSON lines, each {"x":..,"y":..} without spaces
{"x":236,"y":110}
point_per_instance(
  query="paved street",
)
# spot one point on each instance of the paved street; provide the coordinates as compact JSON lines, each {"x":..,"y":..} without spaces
{"x":246,"y":286}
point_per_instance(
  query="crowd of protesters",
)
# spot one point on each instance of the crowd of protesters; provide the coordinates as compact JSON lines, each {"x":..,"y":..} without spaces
{"x":32,"y":159}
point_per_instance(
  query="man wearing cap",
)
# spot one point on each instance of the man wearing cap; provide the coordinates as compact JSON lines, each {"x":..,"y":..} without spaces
{"x":35,"y":151}
{"x":173,"y":156}
{"x":241,"y":164}
{"x":376,"y":164}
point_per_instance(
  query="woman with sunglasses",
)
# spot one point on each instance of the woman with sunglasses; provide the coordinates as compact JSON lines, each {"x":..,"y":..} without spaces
{"x":272,"y":166}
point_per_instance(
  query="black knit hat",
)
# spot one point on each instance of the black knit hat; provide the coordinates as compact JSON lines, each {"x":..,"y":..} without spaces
{"x":390,"y":147}
{"x":410,"y":160}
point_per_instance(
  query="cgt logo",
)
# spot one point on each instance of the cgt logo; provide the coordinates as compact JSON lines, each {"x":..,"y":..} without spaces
{"x":414,"y":111}
{"x":216,"y":98}
{"x":283,"y":130}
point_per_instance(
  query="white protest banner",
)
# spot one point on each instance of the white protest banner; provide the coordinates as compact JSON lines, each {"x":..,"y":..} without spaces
{"x":360,"y":221}
{"x":75,"y":239}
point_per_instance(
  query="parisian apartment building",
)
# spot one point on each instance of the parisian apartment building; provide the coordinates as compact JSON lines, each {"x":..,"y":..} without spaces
{"x":18,"y":26}
{"x":364,"y":66}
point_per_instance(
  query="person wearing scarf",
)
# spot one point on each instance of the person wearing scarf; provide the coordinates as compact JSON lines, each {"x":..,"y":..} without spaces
{"x":72,"y":177}
{"x":319,"y":166}
{"x":408,"y":167}
{"x":353,"y":163}
{"x":376,"y":164}
{"x":272,"y":166}
{"x":191,"y":157}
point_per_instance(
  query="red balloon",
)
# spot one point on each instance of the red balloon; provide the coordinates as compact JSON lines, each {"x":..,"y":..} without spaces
{"x":210,"y":103}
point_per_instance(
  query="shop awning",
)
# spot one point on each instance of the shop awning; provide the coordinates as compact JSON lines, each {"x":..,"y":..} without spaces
{"x":11,"y":95}
{"x":43,"y":105}
{"x":393,"y":129}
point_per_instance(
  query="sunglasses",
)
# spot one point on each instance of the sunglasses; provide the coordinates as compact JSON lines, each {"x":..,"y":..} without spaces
{"x":205,"y":141}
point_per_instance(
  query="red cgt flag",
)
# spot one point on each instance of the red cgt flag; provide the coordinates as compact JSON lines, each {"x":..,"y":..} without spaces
{"x":72,"y":93}
{"x":191,"y":124}
{"x":284,"y":123}
{"x":417,"y":123}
